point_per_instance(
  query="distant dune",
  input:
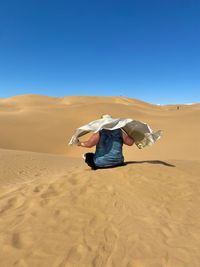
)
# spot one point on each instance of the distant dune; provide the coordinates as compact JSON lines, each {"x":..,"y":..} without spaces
{"x":56,"y":212}
{"x":45,"y":124}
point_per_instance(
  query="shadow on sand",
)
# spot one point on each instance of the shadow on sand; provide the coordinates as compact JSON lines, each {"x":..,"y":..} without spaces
{"x":150,"y":161}
{"x":138,"y":162}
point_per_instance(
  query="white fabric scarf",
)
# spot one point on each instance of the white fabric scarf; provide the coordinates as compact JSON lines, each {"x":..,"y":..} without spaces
{"x":139,"y":131}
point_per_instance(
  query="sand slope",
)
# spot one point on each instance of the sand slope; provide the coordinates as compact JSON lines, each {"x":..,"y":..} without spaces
{"x":44,"y":124}
{"x":56,"y":212}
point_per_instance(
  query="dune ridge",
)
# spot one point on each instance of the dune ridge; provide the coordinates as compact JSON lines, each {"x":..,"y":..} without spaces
{"x":56,"y":212}
{"x":50,"y":122}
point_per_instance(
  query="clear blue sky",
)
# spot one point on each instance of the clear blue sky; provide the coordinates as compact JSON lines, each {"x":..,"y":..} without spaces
{"x":149,"y":50}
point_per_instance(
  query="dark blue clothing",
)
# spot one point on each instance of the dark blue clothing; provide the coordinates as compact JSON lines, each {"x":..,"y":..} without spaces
{"x":109,"y":148}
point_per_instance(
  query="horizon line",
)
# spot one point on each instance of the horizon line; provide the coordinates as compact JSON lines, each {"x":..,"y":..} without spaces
{"x":104,"y":96}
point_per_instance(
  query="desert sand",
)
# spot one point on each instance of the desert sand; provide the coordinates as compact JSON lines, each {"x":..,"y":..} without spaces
{"x":56,"y":212}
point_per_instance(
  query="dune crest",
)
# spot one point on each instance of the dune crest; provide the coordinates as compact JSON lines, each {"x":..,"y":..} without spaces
{"x":46,"y":124}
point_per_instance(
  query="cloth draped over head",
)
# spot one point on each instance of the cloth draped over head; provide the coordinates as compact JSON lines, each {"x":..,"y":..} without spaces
{"x":137,"y":130}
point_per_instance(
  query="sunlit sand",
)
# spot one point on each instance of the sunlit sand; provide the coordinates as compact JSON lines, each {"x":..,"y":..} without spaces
{"x":56,"y":212}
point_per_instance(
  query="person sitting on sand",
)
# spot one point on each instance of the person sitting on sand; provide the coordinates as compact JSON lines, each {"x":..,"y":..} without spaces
{"x":108,"y":148}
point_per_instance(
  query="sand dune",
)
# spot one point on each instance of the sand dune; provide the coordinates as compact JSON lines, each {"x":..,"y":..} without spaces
{"x":56,"y":212}
{"x":43,"y":124}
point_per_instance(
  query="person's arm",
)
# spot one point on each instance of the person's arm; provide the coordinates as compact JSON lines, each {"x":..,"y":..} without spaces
{"x":93,"y":141}
{"x":127,"y":140}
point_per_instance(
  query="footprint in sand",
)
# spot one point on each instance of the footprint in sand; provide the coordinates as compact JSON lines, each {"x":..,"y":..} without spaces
{"x":38,"y":189}
{"x":50,"y":192}
{"x":21,"y":240}
{"x":13,"y":202}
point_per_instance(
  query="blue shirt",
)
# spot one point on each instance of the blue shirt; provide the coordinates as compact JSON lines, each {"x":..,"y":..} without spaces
{"x":109,"y":148}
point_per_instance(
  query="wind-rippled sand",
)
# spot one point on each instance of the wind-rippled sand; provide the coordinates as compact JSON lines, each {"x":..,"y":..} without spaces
{"x":56,"y":212}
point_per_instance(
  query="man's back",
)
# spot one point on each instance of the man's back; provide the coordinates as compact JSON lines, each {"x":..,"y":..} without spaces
{"x":109,"y":148}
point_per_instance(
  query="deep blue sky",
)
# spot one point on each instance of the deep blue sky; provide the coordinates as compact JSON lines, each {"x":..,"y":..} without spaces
{"x":149,"y":50}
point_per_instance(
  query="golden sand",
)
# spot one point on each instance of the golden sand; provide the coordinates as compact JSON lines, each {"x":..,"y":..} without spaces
{"x":56,"y":212}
